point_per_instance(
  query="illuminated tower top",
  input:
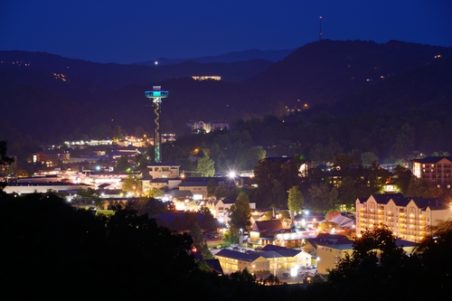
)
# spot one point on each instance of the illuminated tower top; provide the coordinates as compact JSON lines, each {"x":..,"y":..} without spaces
{"x":156,"y":94}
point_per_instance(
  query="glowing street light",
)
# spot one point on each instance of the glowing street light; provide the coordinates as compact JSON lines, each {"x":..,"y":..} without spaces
{"x":232,"y":174}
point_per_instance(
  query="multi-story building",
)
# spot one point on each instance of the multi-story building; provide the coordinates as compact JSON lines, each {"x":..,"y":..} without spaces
{"x":283,"y":259}
{"x":434,"y":170}
{"x":330,"y":249}
{"x":329,"y":255}
{"x":234,"y":261}
{"x":203,"y":127}
{"x":159,"y":183}
{"x":221,"y":209}
{"x":273,"y":259}
{"x":163,"y":170}
{"x":408,"y":218}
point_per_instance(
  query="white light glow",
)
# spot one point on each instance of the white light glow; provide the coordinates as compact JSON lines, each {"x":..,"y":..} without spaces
{"x":232,"y":174}
{"x":197,"y":197}
{"x":294,"y":271}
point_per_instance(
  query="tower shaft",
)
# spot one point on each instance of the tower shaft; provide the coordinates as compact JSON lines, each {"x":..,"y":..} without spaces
{"x":157,"y":136}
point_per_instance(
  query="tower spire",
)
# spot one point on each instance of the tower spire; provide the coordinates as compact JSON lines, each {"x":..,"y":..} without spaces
{"x":320,"y":28}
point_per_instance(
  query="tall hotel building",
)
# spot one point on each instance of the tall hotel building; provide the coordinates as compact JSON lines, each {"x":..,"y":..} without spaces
{"x":408,"y":218}
{"x":436,"y":171}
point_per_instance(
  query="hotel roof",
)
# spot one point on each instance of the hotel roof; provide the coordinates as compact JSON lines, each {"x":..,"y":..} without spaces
{"x":401,"y":201}
{"x":431,"y":160}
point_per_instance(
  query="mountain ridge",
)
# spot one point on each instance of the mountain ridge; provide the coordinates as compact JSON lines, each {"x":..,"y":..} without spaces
{"x":228,"y":57}
{"x":88,"y":97}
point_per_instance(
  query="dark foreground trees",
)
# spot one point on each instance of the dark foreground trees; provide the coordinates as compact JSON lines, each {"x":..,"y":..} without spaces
{"x":380,"y":269}
{"x":50,"y":250}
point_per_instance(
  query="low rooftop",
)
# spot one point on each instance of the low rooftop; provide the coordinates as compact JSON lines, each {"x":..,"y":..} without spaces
{"x":331,"y":240}
{"x":282,"y":251}
{"x":248,"y":256}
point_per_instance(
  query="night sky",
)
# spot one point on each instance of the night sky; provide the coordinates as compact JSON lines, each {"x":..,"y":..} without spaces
{"x":138,"y":30}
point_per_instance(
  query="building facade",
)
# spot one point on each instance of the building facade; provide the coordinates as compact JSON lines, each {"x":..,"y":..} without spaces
{"x":270,"y":259}
{"x":329,"y":255}
{"x":161,"y":170}
{"x":410,"y":219}
{"x":436,"y":171}
{"x":234,"y":261}
{"x":203,"y":127}
{"x":222,"y":209}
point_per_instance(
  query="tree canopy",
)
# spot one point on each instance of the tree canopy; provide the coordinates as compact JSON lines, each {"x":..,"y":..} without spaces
{"x":295,"y":200}
{"x":240,"y":213}
{"x":205,"y":166}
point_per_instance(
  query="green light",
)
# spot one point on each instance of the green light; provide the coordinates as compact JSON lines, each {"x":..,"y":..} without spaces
{"x":156,"y":93}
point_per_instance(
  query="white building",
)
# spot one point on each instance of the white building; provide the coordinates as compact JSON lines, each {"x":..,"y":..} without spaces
{"x":221,"y":209}
{"x":162,"y":170}
{"x":42,"y":188}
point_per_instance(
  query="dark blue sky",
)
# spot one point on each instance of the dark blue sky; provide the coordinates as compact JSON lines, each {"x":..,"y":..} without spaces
{"x":137,"y":30}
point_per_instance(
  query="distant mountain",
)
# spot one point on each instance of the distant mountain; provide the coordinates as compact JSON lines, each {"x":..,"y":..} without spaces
{"x":327,"y":71}
{"x":229,"y":57}
{"x":48,"y":97}
{"x":109,"y":73}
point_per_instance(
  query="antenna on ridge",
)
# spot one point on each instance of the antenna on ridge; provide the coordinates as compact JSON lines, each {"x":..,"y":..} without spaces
{"x":320,"y":28}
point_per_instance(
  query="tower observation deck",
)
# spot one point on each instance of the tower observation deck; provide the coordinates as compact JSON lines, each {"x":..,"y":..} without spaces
{"x":157,"y":95}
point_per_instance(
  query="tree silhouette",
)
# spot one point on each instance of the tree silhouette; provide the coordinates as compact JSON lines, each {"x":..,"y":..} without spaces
{"x":205,"y":166}
{"x":240,"y":213}
{"x":295,"y":201}
{"x":4,"y":159}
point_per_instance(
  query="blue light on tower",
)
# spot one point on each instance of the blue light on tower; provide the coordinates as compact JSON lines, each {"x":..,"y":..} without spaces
{"x":156,"y":95}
